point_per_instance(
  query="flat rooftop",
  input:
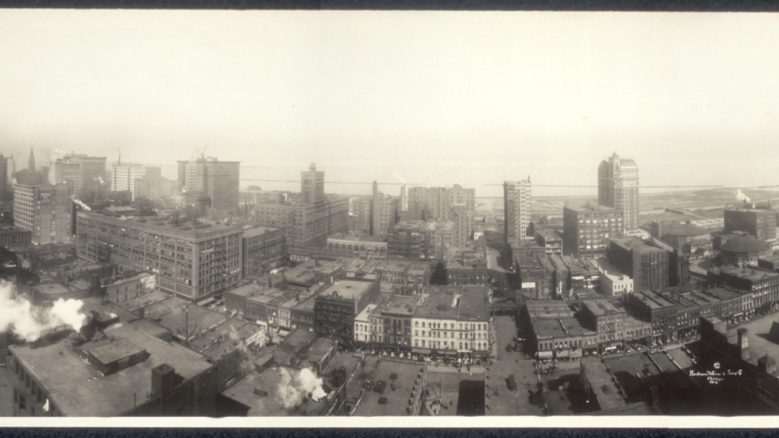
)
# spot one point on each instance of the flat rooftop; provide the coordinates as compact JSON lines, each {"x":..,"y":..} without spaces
{"x":652,"y":299}
{"x":602,"y":307}
{"x":166,"y":225}
{"x":721,"y":294}
{"x":590,"y":209}
{"x":80,"y":390}
{"x":224,"y":338}
{"x":180,"y":316}
{"x":547,"y":308}
{"x":751,"y":274}
{"x":760,"y":343}
{"x":137,"y":303}
{"x":633,"y":242}
{"x":633,"y":364}
{"x":602,"y":385}
{"x":263,"y":394}
{"x":581,"y":267}
{"x":401,"y":304}
{"x":558,"y":328}
{"x":319,"y":349}
{"x":394,"y":397}
{"x":355,"y":237}
{"x":454,"y":302}
{"x":504,"y":401}
{"x":347,"y":289}
{"x":258,"y":231}
{"x":52,"y":289}
{"x":251,"y":289}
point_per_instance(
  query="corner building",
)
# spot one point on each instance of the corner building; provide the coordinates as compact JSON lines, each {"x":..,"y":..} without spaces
{"x":191,"y":260}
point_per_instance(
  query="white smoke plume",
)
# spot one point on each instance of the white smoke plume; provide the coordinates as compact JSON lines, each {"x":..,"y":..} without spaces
{"x":399,"y":178}
{"x":742,"y":197}
{"x":293,"y":389}
{"x":246,"y":365}
{"x":30,"y":322}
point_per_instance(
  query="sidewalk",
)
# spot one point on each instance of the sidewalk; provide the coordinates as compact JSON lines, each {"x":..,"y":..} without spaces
{"x":475,"y":369}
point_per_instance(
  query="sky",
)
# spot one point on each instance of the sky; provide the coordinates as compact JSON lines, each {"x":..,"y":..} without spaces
{"x":433,"y":98}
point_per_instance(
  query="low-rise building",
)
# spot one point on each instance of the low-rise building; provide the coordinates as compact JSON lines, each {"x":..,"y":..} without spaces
{"x":12,"y":237}
{"x":337,"y":305}
{"x":613,"y":283}
{"x":356,"y":245}
{"x":123,"y":372}
{"x":648,"y":265}
{"x":452,"y":321}
{"x":123,"y":289}
{"x":582,"y":274}
{"x":551,"y":240}
{"x":467,"y":267}
{"x":47,"y":293}
{"x":763,"y":286}
{"x":364,"y":331}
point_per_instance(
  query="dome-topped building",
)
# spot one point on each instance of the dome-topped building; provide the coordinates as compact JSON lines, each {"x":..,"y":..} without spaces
{"x":743,"y":249}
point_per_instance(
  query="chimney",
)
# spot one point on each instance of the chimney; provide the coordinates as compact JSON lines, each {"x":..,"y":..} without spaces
{"x":743,"y":343}
{"x":767,"y":365}
{"x":163,"y":380}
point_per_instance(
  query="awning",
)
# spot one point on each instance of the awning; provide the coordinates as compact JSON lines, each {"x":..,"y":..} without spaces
{"x":563,"y":353}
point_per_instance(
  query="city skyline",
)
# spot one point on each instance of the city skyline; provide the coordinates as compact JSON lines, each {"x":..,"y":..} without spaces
{"x":162,"y":84}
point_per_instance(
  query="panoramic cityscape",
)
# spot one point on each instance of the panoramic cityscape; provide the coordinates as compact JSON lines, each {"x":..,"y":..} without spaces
{"x":425,"y":215}
{"x":128,"y":293}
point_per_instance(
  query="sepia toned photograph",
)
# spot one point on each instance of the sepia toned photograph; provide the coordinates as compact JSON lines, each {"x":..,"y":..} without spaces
{"x":290,"y":214}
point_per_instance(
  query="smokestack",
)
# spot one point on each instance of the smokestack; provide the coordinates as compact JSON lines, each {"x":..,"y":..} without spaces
{"x":163,"y":380}
{"x":743,"y":343}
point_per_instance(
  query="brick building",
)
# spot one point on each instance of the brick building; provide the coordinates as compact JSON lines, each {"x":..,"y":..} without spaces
{"x":193,"y":260}
{"x":587,"y":230}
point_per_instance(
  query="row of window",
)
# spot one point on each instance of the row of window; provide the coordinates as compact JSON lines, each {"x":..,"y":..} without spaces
{"x":460,"y":325}
{"x":450,"y":345}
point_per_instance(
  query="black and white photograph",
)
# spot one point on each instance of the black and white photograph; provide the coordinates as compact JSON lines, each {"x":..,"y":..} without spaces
{"x":443,"y":216}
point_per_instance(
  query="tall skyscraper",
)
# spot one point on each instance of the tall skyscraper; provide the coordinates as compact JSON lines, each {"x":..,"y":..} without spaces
{"x":517,"y":199}
{"x":384,"y":212}
{"x":6,"y":195}
{"x":427,"y":203}
{"x":41,"y":208}
{"x":403,"y":199}
{"x":218,"y":181}
{"x":361,"y":214}
{"x":310,"y":218}
{"x":618,"y":188}
{"x":31,"y":161}
{"x":124,"y":175}
{"x":312,"y":185}
{"x":84,"y":174}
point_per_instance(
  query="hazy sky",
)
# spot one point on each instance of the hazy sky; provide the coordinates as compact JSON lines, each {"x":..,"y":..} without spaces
{"x":434,"y":98}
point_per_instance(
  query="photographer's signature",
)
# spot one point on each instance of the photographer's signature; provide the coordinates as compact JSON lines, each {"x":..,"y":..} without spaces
{"x":716,"y":375}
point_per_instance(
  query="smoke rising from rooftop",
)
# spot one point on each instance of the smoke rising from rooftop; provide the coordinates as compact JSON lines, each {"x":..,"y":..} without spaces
{"x":30,"y":322}
{"x":293,"y":389}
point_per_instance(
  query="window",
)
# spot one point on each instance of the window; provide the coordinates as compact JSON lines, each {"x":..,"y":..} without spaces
{"x":22,"y":402}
